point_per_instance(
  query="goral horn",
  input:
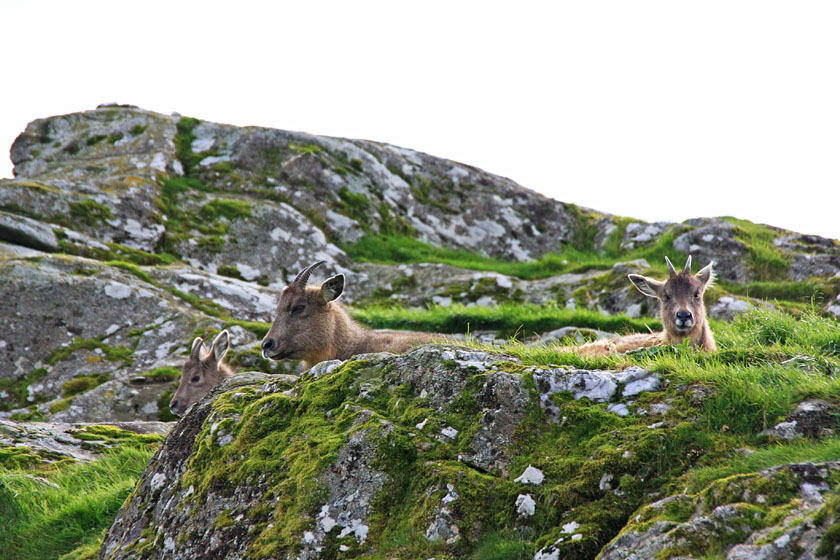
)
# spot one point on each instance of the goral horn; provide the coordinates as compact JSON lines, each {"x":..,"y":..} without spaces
{"x":303,"y":276}
{"x":687,"y":269}
{"x":671,"y":269}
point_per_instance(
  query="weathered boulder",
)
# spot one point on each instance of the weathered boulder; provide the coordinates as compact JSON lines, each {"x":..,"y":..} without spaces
{"x":424,"y":441}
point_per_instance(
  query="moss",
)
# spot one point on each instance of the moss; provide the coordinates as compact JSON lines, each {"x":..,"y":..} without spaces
{"x":164,"y":414}
{"x":311,"y":149}
{"x":132,"y":269}
{"x":111,"y":353}
{"x":224,"y":520}
{"x":766,"y":260}
{"x":115,"y":137}
{"x":96,"y":139}
{"x":21,"y":457}
{"x":431,"y":193}
{"x":89,"y":212}
{"x":115,"y":435}
{"x":82,"y":384}
{"x":230,"y":271}
{"x":162,"y":374}
{"x":227,"y":208}
{"x":72,"y":148}
{"x":138,"y":129}
{"x":18,"y":390}
{"x":58,"y":406}
{"x":184,"y":137}
{"x":354,"y":205}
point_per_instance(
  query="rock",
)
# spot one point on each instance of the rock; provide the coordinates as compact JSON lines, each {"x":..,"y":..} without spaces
{"x":530,"y":475}
{"x":812,"y":256}
{"x":96,"y":324}
{"x":833,"y":306}
{"x":715,"y":240}
{"x":726,"y":308}
{"x":55,"y":441}
{"x":525,"y":505}
{"x":176,"y":509}
{"x":732,"y":515}
{"x":639,"y":234}
{"x":579,"y":334}
{"x":813,"y":418}
{"x":27,"y":232}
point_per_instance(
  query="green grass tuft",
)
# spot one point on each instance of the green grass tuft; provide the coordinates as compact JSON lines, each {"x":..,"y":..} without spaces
{"x":42,"y":521}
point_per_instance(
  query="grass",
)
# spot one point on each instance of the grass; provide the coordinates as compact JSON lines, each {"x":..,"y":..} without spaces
{"x":772,"y":456}
{"x":508,"y":318}
{"x":56,"y":513}
{"x":767,"y":362}
{"x":397,"y":249}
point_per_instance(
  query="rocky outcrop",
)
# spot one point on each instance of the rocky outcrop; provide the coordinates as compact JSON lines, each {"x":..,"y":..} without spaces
{"x":356,"y":449}
{"x":126,"y":233}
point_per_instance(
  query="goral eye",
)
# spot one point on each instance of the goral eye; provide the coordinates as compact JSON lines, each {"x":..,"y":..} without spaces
{"x":297,"y":309}
{"x":195,"y":379}
{"x":696,"y":295}
{"x":667,"y":297}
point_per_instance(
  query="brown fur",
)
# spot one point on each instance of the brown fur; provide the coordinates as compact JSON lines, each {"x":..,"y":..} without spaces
{"x":681,"y":292}
{"x":309,"y":325}
{"x":203,"y":370}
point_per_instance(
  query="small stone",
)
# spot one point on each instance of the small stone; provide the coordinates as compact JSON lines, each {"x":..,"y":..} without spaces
{"x":531,"y":475}
{"x":449,"y":432}
{"x":571,"y":527}
{"x":525,"y":505}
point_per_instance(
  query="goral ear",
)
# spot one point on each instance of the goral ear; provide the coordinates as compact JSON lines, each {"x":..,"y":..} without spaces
{"x":332,"y":288}
{"x":706,"y":275}
{"x":648,"y":286}
{"x":197,"y":347}
{"x":220,"y":345}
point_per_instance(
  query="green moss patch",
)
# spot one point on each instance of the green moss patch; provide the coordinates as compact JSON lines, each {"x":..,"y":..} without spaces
{"x":108,"y":352}
{"x":88,"y":212}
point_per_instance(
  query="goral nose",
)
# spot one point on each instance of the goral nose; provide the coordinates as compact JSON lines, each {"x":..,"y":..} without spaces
{"x":683,"y":319}
{"x":267,"y":344}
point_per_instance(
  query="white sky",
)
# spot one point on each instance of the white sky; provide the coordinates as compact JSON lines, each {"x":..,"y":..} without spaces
{"x":659,"y":110}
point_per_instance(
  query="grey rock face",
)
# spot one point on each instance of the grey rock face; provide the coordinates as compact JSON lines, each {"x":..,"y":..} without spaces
{"x":24,"y":231}
{"x":68,"y":317}
{"x":714,"y":240}
{"x":638,"y":234}
{"x":725,"y":525}
{"x":727,"y":308}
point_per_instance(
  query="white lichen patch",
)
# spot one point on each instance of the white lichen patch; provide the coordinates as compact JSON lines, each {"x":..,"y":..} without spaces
{"x":117,"y":290}
{"x":359,"y":530}
{"x":248,"y":272}
{"x":158,"y":481}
